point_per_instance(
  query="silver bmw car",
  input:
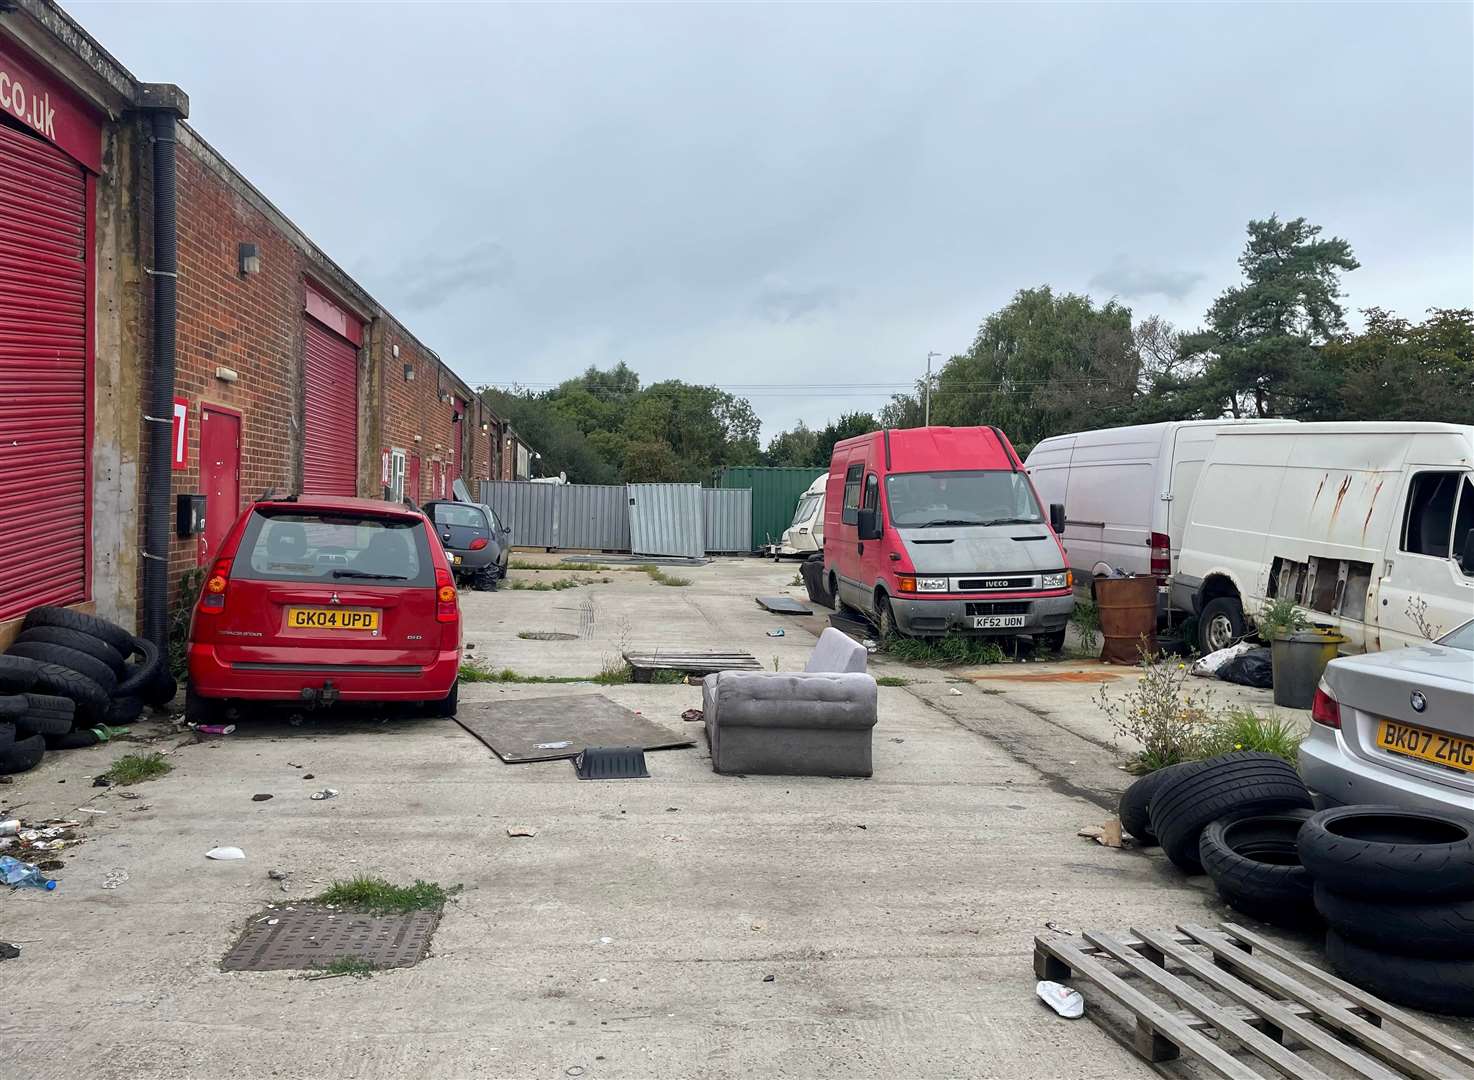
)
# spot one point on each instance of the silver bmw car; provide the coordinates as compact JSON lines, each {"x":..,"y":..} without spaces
{"x":1396,"y":728}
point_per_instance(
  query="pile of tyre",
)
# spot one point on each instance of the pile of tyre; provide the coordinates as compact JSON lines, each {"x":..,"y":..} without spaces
{"x":68,"y":680}
{"x":1395,"y":888}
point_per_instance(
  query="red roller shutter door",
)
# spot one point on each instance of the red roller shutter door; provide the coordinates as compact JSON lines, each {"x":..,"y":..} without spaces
{"x":43,"y":376}
{"x":330,"y":443}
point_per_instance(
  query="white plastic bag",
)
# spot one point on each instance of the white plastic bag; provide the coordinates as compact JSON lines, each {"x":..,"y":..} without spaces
{"x":225,"y":853}
{"x":1068,"y":1003}
{"x":1207,"y":666}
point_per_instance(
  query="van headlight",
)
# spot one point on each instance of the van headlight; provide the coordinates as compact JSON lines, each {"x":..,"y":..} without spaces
{"x":931,"y":584}
{"x":1059,"y":580}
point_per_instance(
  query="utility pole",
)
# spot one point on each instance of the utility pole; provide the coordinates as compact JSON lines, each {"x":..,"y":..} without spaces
{"x":928,"y":386}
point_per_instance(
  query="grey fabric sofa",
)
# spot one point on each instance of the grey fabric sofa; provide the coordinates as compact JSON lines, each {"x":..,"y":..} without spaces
{"x":816,"y":722}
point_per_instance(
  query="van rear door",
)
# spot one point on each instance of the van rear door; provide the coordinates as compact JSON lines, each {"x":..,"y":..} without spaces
{"x":1424,"y":591}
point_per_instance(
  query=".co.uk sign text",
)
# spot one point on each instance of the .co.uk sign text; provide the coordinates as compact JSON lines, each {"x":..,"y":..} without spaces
{"x":31,"y":109}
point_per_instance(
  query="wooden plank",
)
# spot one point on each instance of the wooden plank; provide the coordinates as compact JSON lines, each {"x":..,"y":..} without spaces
{"x":1155,"y":1025}
{"x":1333,"y":1013}
{"x":1257,"y":1042}
{"x":1357,"y":996}
{"x":1281,"y":1014}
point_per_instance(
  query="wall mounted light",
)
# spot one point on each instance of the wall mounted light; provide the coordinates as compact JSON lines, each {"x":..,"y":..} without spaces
{"x":409,"y":373}
{"x":249,"y":259}
{"x":485,"y":428}
{"x":396,"y":352}
{"x":226,"y":375}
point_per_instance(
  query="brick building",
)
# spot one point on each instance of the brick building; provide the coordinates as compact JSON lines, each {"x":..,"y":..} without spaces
{"x":286,"y":373}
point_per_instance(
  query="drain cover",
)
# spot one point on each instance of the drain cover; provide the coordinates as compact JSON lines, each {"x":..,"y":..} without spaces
{"x":611,"y":763}
{"x":546,"y":635}
{"x":312,"y":937}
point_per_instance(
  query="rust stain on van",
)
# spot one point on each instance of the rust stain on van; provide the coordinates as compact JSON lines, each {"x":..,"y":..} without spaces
{"x":1340,"y":496}
{"x":1367,"y":522}
{"x":1318,"y":489}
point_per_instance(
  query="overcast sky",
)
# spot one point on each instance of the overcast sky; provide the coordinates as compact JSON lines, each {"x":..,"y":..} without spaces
{"x":776,"y":195}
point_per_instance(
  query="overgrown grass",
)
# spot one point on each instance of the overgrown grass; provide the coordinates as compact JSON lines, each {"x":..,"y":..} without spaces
{"x":523,"y":564}
{"x":614,"y":673}
{"x":354,"y":966}
{"x":135,"y":768}
{"x":375,"y":896}
{"x":950,"y":650}
{"x":1244,"y":729}
{"x":891,"y":680}
{"x":556,"y":585}
{"x":476,"y":672}
{"x":660,"y":577}
{"x":1086,"y":621}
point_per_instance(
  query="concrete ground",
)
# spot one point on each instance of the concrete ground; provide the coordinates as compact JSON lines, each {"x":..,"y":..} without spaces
{"x":895,"y":915}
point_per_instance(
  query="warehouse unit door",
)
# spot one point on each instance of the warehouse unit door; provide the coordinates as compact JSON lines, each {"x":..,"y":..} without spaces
{"x":43,"y":376}
{"x":220,"y":474}
{"x":330,"y":438}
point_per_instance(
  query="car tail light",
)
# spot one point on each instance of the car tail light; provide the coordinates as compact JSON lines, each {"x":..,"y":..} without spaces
{"x":905,"y":583}
{"x":479,"y":543}
{"x":1161,"y":545}
{"x":445,"y":597}
{"x":212,"y":596}
{"x":1325,"y":710}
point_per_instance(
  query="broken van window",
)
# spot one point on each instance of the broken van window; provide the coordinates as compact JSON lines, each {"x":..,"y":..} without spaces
{"x":1427,"y":524}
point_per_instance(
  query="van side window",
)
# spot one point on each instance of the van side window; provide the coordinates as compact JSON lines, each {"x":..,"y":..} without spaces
{"x":1464,"y":525}
{"x":1427,"y":523}
{"x":851,"y":513}
{"x":871,"y":499}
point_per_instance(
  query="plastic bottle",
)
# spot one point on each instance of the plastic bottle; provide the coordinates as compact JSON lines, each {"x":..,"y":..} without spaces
{"x":213,"y":729}
{"x":15,"y":873}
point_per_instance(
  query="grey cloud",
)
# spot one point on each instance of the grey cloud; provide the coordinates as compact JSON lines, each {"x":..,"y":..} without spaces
{"x":429,"y":281}
{"x":1126,"y":279}
{"x":782,"y":303}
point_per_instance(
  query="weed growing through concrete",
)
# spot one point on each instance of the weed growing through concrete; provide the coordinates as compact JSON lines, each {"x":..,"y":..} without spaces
{"x":135,"y":768}
{"x":1244,"y":729}
{"x":375,"y":896}
{"x":1169,"y":720}
{"x":1086,"y":620}
{"x":660,"y":577}
{"x":556,"y":585}
{"x":891,"y":680}
{"x":950,"y":650}
{"x":614,"y":673}
{"x":353,"y":966}
{"x":523,"y":564}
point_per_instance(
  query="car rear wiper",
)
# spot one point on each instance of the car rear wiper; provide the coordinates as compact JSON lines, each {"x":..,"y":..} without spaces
{"x":368,"y":576}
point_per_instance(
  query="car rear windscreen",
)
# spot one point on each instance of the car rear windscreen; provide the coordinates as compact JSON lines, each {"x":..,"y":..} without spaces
{"x":462,"y":514}
{"x":329,"y":548}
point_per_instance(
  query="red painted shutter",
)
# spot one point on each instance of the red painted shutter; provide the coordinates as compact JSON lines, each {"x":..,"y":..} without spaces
{"x":43,"y":376}
{"x":330,"y":443}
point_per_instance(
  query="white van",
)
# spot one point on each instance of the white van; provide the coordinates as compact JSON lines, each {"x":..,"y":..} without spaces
{"x":1367,"y":526}
{"x":1125,"y":492}
{"x":805,"y":535}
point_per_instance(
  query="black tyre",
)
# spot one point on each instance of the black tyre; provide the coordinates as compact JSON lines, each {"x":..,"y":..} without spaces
{"x":1385,"y":852}
{"x":1255,"y":866}
{"x":75,"y":639}
{"x":13,"y":706}
{"x":79,"y":662}
{"x":67,"y":619}
{"x":74,"y":740}
{"x":1054,"y":642}
{"x":124,"y":710}
{"x":201,"y":710}
{"x":1245,"y":780}
{"x":446,"y":706}
{"x":1134,"y":807}
{"x":885,"y":618}
{"x":484,"y":580}
{"x":137,"y":676}
{"x":17,"y":674}
{"x":46,"y":715}
{"x":90,"y":699}
{"x":7,"y":735}
{"x":1440,"y":930}
{"x":1437,"y":986}
{"x":1220,"y":624}
{"x":22,"y":754}
{"x":162,"y":690}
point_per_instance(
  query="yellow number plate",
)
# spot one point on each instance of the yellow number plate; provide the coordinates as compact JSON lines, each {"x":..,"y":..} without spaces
{"x":328,"y":618}
{"x":1418,"y":742}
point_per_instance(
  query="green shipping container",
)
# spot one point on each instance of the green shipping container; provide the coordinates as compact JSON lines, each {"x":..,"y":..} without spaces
{"x":775,"y":495}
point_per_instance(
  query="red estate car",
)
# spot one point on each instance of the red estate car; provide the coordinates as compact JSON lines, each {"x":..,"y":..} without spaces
{"x":318,"y":599}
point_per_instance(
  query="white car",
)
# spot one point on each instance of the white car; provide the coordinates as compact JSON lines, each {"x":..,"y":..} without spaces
{"x":1396,"y":728}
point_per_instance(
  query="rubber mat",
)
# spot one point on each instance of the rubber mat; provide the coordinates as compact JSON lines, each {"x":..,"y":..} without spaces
{"x":521,"y":729}
{"x":611,"y":763}
{"x":783,"y":605}
{"x":313,"y":937}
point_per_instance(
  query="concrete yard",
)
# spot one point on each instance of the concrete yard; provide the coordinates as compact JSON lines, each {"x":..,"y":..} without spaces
{"x":895,"y":915}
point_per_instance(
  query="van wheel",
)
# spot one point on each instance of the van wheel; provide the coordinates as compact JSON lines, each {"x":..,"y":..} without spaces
{"x":1054,"y":642}
{"x":1220,"y":624}
{"x":885,"y":618}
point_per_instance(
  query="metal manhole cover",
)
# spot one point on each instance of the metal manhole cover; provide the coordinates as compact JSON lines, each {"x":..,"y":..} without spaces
{"x":546,"y":635}
{"x":312,"y":937}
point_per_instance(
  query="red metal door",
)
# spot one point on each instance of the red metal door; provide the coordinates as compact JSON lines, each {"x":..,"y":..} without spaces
{"x":220,"y":475}
{"x":412,"y":479}
{"x":330,"y":442}
{"x":43,"y":376}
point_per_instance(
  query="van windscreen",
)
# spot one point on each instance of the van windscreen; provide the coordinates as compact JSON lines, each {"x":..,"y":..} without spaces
{"x":991,"y":497}
{"x":304,"y":546}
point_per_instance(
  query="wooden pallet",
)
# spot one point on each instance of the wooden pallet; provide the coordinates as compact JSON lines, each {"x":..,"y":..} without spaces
{"x":1215,"y":988}
{"x":644,"y":665}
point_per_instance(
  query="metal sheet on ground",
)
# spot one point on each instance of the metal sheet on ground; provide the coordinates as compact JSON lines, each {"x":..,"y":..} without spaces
{"x":531,"y":729}
{"x":783,"y":605}
{"x":313,"y":937}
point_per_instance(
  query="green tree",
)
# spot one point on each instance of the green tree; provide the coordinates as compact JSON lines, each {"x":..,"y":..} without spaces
{"x":846,"y":427}
{"x":1258,"y":350}
{"x":653,"y":461}
{"x":797,"y":446}
{"x":1397,"y":370}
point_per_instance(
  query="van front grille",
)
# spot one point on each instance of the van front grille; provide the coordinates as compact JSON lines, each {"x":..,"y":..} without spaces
{"x":992,"y":584}
{"x":1001,"y":607}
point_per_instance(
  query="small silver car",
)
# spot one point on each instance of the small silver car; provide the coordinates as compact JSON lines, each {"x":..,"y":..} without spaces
{"x":1396,"y":728}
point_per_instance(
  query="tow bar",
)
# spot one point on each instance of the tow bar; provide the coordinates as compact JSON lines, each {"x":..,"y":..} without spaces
{"x":315,"y":698}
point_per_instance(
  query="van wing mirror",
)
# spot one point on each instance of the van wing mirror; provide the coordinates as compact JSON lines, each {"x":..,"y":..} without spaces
{"x":869,"y":525}
{"x":1057,"y":517}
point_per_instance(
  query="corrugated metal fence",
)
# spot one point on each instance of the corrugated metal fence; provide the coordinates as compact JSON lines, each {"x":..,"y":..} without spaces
{"x":647,"y":519}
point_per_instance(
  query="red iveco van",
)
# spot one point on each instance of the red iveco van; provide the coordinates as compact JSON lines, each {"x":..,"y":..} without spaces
{"x":931,"y":531}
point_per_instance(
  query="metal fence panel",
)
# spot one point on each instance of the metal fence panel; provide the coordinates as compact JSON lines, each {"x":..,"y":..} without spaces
{"x":775,"y":495}
{"x":728,"y":518}
{"x":594,"y":517}
{"x":666,"y":519}
{"x":529,"y":510}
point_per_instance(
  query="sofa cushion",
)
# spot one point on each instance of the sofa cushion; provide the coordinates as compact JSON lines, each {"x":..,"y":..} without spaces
{"x":816,"y":700}
{"x":837,"y":651}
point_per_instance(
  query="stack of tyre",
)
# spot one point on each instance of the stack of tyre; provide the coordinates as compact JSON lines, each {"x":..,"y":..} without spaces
{"x":1236,"y":818}
{"x":68,"y":679}
{"x":1396,"y":889}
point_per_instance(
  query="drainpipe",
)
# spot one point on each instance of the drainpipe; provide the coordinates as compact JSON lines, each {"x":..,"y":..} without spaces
{"x":165,"y":104}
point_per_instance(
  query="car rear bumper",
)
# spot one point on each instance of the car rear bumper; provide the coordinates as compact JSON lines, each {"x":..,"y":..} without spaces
{"x":1338,"y":777}
{"x":923,"y":617}
{"x":212,"y":677}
